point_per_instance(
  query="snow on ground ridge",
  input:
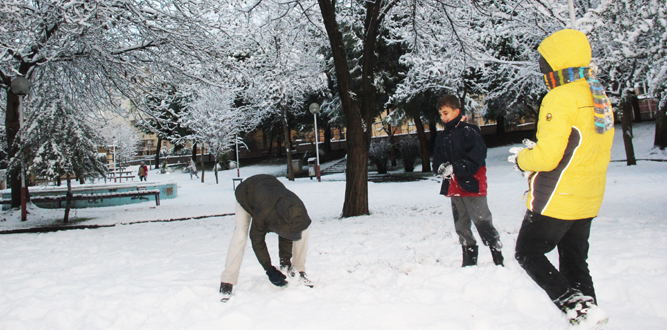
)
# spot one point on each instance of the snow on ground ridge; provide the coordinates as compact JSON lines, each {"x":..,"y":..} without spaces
{"x":397,"y":268}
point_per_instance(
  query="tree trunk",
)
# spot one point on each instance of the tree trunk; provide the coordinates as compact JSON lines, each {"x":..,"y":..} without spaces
{"x":326,"y":144}
{"x":500,"y":124}
{"x":201,"y":162}
{"x":392,"y":147}
{"x":271,"y":144}
{"x":68,"y":199}
{"x":157,"y":153}
{"x":194,"y":152}
{"x":288,"y":144}
{"x":433,"y":134}
{"x":356,"y":172}
{"x":12,"y":126}
{"x":358,"y":118}
{"x":626,"y":123}
{"x":215,"y":168}
{"x":661,"y":126}
{"x":426,"y":159}
{"x":635,"y":106}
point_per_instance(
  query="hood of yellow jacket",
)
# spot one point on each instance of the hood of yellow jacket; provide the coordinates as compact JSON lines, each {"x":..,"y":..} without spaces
{"x":566,"y":49}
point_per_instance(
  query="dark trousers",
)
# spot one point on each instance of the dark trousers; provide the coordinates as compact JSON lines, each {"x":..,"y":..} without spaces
{"x":539,"y":235}
{"x":469,"y":210}
{"x":284,"y":248}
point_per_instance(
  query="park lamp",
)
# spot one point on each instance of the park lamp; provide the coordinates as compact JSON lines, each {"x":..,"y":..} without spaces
{"x":314,"y":108}
{"x":20,"y":86}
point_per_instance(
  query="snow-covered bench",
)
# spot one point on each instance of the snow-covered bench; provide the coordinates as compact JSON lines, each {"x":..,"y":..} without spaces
{"x":59,"y":199}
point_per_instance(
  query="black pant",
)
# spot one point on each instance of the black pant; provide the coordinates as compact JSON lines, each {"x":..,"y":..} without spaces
{"x":539,"y":235}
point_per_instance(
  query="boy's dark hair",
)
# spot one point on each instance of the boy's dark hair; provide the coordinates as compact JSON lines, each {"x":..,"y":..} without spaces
{"x":449,"y":101}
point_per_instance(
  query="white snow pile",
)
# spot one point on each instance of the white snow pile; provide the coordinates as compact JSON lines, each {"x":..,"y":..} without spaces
{"x":398,"y":268}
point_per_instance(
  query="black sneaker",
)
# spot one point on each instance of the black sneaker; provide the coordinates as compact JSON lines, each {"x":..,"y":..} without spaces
{"x":582,"y":311}
{"x":226,"y":291}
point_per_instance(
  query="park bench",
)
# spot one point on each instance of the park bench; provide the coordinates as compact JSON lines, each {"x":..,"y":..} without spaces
{"x":75,"y":197}
{"x":120,"y":175}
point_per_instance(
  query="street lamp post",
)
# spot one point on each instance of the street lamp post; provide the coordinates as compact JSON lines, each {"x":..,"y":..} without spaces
{"x":238,"y":162}
{"x":573,"y":17}
{"x":20,"y":86}
{"x":315,"y":109}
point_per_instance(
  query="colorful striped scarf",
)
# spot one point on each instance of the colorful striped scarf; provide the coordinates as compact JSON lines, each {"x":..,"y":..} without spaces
{"x":604,"y":116}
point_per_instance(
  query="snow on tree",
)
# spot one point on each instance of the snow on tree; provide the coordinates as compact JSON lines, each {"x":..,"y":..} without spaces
{"x":478,"y":48}
{"x":57,"y":142}
{"x":121,"y":140}
{"x":100,"y":50}
{"x":161,"y":109}
{"x":215,"y":121}
{"x":631,"y":42}
{"x":284,"y":64}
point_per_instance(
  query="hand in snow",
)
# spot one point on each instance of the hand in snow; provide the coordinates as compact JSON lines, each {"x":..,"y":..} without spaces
{"x":445,"y":171}
{"x":515,"y":151}
{"x":529,"y":144}
{"x":514,"y":154}
{"x":276,"y":277}
{"x":513,"y":158}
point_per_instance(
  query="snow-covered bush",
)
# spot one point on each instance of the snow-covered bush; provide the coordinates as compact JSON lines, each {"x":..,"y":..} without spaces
{"x":409,"y":148}
{"x":379,"y":155}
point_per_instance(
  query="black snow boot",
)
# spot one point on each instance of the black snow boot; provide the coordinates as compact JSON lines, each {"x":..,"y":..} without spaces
{"x":497,"y":255}
{"x":469,"y":255}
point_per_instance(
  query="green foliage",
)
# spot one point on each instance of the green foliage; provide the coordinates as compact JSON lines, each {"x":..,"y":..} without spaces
{"x":163,"y":108}
{"x":379,"y":155}
{"x":223,"y":161}
{"x":57,"y":142}
{"x":409,"y":148}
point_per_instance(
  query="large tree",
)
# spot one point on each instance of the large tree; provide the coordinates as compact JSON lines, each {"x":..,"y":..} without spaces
{"x":124,"y":139}
{"x":58,"y":142}
{"x":630,"y":39}
{"x":358,"y":101}
{"x":97,"y":50}
{"x":161,"y":109}
{"x":215,"y":121}
{"x":283,"y":66}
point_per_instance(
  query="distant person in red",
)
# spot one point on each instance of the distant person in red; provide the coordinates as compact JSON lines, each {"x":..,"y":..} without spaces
{"x":143,"y":171}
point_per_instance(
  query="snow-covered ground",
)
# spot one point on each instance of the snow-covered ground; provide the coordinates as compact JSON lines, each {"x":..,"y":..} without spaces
{"x":398,"y":268}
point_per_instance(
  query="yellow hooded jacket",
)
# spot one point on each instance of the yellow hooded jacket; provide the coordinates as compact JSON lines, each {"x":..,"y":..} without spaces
{"x":570,"y":160}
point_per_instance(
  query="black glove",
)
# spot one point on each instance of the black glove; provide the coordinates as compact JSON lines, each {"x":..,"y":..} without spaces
{"x":276,"y":277}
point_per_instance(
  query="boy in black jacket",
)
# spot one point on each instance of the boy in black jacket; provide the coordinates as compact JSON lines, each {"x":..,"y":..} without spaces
{"x":459,"y":158}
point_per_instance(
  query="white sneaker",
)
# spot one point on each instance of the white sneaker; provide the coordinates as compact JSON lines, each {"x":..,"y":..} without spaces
{"x":590,"y":318}
{"x":303,"y":279}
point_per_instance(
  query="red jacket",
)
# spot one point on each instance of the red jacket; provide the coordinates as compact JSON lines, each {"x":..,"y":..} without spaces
{"x":456,"y":190}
